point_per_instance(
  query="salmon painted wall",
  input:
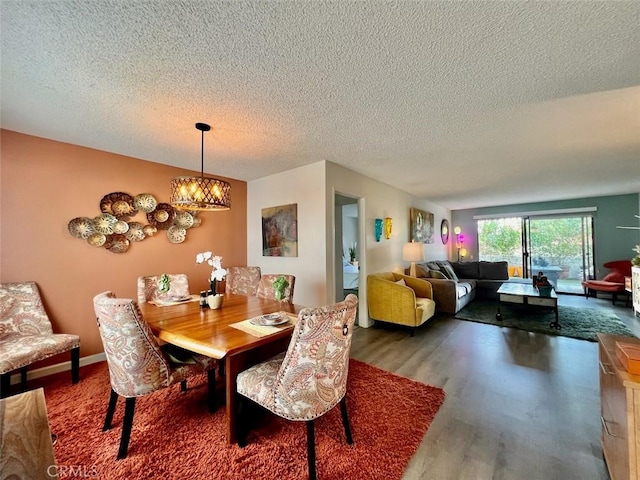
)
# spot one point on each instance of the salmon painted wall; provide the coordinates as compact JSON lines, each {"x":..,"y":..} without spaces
{"x":44,"y":184}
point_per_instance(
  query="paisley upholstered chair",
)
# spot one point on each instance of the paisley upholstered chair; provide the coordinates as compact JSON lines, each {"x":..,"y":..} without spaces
{"x":243,"y":280}
{"x":311,"y":377}
{"x":137,"y":364}
{"x":148,"y":287}
{"x":266,"y":290}
{"x":26,"y":334}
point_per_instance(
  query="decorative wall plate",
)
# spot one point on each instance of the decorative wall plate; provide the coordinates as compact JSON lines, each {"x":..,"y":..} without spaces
{"x":118,"y":204}
{"x":149,"y":230}
{"x":104,"y":223}
{"x":183,"y":219}
{"x":135,"y":232}
{"x":145,"y":202}
{"x":176,"y":234}
{"x":162,"y":217}
{"x":117,"y":243}
{"x":81,"y":227}
{"x":196,"y":220}
{"x":121,"y":227}
{"x":96,"y":239}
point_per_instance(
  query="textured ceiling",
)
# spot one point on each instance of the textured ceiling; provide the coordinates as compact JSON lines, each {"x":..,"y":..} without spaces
{"x":462,"y":103}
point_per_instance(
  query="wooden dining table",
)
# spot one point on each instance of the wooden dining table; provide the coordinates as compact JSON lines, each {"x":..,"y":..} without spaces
{"x":209,"y":332}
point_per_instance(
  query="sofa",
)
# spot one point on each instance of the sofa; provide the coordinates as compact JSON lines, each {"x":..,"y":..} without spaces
{"x":400,"y":299}
{"x":455,"y":284}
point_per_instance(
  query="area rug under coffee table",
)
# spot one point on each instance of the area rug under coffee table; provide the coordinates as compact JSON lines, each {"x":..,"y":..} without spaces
{"x":581,"y":323}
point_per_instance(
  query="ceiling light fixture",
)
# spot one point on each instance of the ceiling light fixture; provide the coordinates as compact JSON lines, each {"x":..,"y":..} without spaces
{"x":200,"y":193}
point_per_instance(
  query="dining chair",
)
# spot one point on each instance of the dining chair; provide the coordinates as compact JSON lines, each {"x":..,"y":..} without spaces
{"x":243,"y":280}
{"x":310,"y":378}
{"x":148,"y":287}
{"x":266,"y":290}
{"x":26,"y":335}
{"x":137,"y":364}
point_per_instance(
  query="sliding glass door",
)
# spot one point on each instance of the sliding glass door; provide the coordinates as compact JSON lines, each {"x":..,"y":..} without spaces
{"x":560,"y":246}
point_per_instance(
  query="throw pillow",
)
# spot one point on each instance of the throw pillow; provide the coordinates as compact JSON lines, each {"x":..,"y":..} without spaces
{"x":433,"y":266}
{"x":615,"y":277}
{"x":422,"y":272}
{"x":438,"y":274}
{"x":448,"y":271}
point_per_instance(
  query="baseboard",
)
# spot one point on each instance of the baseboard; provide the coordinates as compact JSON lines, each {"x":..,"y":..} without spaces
{"x":57,"y":368}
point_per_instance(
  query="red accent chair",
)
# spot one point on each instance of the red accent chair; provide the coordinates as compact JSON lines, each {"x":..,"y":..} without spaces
{"x":612,"y":283}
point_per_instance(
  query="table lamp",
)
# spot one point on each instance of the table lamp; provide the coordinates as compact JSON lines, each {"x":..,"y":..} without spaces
{"x":413,"y":252}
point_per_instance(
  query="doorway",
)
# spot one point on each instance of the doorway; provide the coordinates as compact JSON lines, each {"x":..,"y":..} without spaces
{"x":347,"y":265}
{"x":559,"y":246}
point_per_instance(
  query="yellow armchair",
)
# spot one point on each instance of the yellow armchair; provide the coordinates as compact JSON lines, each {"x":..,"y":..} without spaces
{"x":396,"y":298}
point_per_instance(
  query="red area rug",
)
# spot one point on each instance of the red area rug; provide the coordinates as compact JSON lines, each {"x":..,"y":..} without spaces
{"x":175,"y":437}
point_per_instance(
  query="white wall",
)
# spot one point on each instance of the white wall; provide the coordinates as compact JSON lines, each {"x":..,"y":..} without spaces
{"x":313,"y":188}
{"x":304,"y":186}
{"x":378,"y":200}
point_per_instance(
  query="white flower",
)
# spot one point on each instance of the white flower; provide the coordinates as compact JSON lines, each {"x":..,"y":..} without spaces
{"x":217,"y":272}
{"x":637,"y":249}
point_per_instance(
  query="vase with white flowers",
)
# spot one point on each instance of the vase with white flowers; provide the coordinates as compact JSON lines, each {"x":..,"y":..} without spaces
{"x":636,"y":260}
{"x":214,"y":299}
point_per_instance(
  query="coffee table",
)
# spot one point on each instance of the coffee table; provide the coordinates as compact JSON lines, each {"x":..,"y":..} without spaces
{"x":526,"y":294}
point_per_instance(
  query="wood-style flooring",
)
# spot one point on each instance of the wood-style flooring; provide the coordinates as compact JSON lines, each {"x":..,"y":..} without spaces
{"x":519,"y":405}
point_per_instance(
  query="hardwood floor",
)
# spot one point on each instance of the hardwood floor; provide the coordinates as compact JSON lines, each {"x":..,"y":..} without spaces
{"x":519,"y":405}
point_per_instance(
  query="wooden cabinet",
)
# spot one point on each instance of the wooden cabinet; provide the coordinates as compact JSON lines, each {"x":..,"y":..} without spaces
{"x":635,"y":288}
{"x":619,"y":411}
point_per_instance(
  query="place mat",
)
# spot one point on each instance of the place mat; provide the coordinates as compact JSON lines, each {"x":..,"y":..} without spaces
{"x":163,"y":303}
{"x":263,"y":331}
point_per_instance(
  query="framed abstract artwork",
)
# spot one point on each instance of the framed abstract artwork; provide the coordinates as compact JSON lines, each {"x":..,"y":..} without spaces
{"x":280,"y":231}
{"x":421,"y":228}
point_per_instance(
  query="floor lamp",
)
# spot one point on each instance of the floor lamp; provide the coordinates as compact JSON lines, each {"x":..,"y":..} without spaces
{"x":413,"y":252}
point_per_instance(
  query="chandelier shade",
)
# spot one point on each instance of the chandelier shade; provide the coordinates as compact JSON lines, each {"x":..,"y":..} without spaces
{"x":200,"y":193}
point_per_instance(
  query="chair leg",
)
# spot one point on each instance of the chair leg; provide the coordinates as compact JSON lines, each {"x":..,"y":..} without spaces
{"x":129,"y":409}
{"x":5,"y":384}
{"x":183,"y":386}
{"x":241,"y":421}
{"x":75,"y":365}
{"x":113,"y":399}
{"x":311,"y":450}
{"x":345,"y":420}
{"x":23,"y":379}
{"x":211,"y":389}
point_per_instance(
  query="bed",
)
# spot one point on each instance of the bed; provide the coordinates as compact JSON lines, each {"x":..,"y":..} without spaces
{"x":349,"y":276}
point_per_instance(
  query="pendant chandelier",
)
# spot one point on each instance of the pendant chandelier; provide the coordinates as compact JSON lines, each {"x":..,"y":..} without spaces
{"x":200,"y":193}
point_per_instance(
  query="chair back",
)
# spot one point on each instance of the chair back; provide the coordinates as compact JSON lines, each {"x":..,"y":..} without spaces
{"x":623,"y":267}
{"x":313,"y":376}
{"x":266,"y":290}
{"x":243,"y":280}
{"x":148,"y":287}
{"x":137,"y":366}
{"x":21,"y":310}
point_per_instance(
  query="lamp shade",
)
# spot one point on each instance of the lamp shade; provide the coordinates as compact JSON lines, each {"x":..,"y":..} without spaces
{"x":413,"y":252}
{"x":200,"y":193}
